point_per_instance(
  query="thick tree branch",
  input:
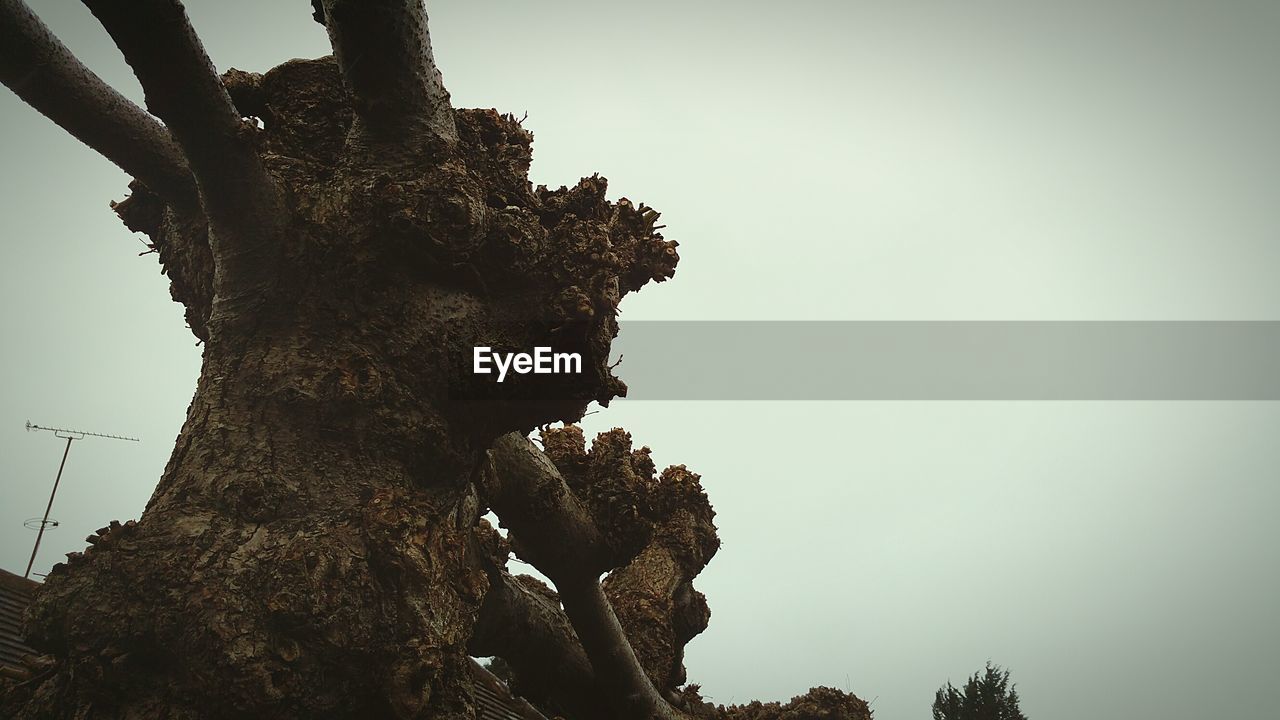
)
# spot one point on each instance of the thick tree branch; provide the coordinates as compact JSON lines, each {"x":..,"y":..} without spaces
{"x":47,"y":76}
{"x":559,"y":529}
{"x":612,"y":656}
{"x":521,"y":622}
{"x":183,"y":89}
{"x":653,"y":595}
{"x":384,"y":50}
{"x":527,"y":491}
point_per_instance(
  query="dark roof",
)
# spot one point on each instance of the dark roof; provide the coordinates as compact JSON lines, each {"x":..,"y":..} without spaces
{"x":15,"y":594}
{"x":493,"y":700}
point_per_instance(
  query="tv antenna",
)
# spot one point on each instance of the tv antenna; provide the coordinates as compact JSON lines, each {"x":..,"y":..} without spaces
{"x":45,"y":523}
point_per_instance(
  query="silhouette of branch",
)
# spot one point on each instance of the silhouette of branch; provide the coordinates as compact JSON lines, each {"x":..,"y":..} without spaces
{"x":183,"y":89}
{"x":48,"y":77}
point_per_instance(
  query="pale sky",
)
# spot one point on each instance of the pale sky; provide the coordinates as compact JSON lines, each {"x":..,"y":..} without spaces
{"x":816,"y":160}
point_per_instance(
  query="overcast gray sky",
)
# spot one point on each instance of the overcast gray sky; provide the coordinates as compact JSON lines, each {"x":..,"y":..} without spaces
{"x":817,"y":160}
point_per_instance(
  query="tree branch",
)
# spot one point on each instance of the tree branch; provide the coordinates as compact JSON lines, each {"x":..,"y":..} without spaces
{"x":521,"y":622}
{"x":612,"y":656}
{"x":561,"y":529}
{"x":48,"y":77}
{"x":527,"y":491}
{"x":183,"y":89}
{"x":384,"y":50}
{"x":653,"y":595}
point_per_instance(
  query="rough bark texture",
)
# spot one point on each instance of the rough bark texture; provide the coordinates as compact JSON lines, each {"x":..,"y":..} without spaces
{"x":602,"y":513}
{"x":315,"y":546}
{"x":616,"y":515}
{"x":653,"y":595}
{"x":376,"y":41}
{"x":664,"y":535}
{"x":820,"y":703}
{"x":308,"y":550}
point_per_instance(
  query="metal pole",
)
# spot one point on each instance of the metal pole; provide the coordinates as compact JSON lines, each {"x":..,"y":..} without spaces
{"x":47,"y":508}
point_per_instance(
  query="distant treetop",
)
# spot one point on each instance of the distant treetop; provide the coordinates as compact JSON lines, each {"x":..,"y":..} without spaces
{"x":986,"y":696}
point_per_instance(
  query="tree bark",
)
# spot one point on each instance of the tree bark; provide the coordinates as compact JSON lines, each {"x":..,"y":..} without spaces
{"x":284,"y":566}
{"x":310,"y":549}
{"x":621,"y":675}
{"x":653,"y":594}
{"x":574,"y":514}
{"x":398,"y":94}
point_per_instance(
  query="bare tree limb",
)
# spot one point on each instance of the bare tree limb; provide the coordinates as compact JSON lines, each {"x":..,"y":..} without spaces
{"x":612,"y":656}
{"x":527,"y":491}
{"x":48,"y":77}
{"x":521,"y":622}
{"x":561,"y":537}
{"x":183,"y":89}
{"x":384,"y":50}
{"x":653,"y":595}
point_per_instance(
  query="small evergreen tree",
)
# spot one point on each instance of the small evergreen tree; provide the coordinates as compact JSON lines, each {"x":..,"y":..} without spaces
{"x":986,"y":696}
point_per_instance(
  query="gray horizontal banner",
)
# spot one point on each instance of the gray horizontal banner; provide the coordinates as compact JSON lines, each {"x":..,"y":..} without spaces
{"x":949,"y":360}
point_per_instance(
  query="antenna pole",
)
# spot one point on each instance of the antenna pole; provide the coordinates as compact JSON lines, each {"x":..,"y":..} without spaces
{"x":67,"y":435}
{"x":45,"y":521}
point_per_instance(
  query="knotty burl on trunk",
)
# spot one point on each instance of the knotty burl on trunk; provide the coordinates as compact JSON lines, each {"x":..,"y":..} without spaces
{"x":341,"y":238}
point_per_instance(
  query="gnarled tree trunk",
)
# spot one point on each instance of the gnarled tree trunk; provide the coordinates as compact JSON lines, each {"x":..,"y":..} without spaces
{"x":342,"y":238}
